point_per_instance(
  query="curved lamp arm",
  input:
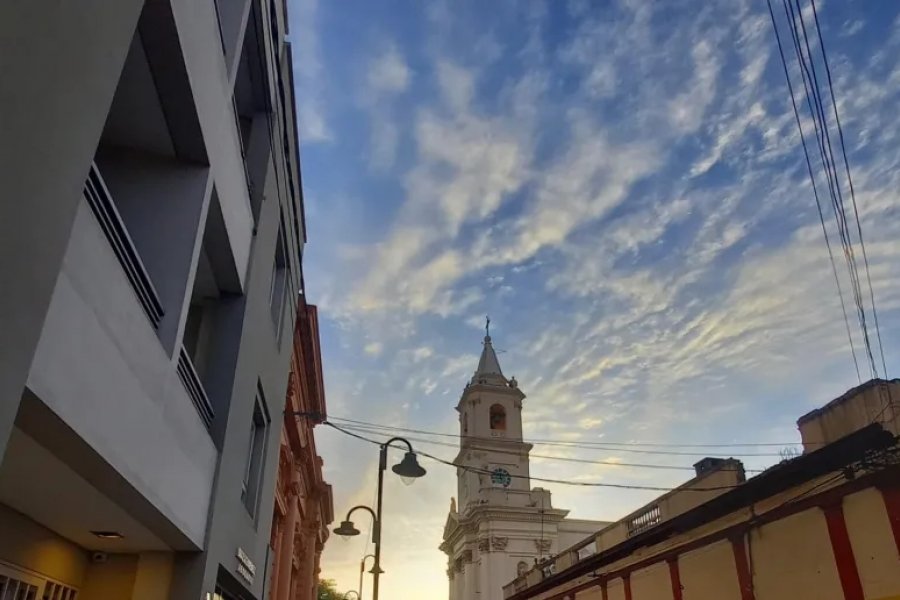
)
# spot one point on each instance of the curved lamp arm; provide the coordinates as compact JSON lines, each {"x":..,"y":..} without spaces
{"x":362,"y":507}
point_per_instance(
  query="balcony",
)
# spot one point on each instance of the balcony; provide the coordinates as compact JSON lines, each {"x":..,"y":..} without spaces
{"x":194,"y":388}
{"x":104,"y":209}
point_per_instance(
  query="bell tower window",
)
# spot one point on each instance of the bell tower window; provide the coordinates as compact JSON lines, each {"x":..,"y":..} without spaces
{"x":498,"y":418}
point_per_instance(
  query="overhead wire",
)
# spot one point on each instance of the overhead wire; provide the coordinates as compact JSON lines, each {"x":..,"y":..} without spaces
{"x":608,"y":446}
{"x":599,"y":484}
{"x":610,"y":463}
{"x":812,"y":83}
{"x":862,"y":243}
{"x":812,"y":179}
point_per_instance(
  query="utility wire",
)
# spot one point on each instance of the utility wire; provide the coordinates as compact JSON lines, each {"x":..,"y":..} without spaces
{"x":600,"y":484}
{"x":610,"y":463}
{"x":812,"y":179}
{"x":862,"y":244}
{"x":610,"y":446}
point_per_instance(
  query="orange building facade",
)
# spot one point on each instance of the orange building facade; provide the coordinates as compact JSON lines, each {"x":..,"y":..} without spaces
{"x":303,"y":500}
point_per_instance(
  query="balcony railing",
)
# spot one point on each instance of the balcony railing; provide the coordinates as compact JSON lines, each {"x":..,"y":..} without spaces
{"x":194,"y":387}
{"x":101,"y":202}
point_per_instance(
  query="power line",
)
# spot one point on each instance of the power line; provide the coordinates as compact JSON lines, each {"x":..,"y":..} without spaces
{"x":610,"y":463}
{"x":608,"y":446}
{"x":476,"y":470}
{"x":862,"y":243}
{"x":812,"y":179}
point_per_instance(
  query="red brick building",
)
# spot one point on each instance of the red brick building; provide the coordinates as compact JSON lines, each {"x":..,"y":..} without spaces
{"x":303,"y":501}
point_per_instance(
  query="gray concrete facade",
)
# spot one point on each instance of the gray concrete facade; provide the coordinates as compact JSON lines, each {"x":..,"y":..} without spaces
{"x":144,"y":356}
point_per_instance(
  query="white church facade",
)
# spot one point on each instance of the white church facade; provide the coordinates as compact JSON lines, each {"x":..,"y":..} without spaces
{"x":500,"y":525}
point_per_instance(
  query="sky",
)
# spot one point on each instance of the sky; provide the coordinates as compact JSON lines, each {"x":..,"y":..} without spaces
{"x":620,"y":185}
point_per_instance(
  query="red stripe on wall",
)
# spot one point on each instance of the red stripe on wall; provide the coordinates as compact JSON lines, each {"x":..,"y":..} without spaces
{"x":843,"y":552}
{"x":626,"y":580}
{"x":675,"y":576}
{"x":891,"y":498}
{"x":745,"y":581}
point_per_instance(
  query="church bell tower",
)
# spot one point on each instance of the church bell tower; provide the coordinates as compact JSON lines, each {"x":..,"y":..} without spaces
{"x":490,"y":424}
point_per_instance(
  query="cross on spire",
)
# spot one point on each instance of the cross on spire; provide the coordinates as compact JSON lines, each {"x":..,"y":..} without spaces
{"x":487,"y":326}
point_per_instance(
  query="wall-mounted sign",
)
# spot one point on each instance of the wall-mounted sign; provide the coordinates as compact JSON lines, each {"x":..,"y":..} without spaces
{"x":245,"y":566}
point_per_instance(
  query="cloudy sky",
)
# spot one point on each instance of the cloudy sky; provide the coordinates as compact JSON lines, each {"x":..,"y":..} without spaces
{"x":620,"y":185}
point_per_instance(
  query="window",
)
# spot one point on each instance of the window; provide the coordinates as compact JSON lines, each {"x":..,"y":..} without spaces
{"x":278,"y":289}
{"x":498,"y":418}
{"x":259,"y":426}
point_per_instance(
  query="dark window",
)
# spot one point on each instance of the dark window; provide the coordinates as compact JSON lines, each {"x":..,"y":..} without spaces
{"x":259,"y":426}
{"x":278,"y":290}
{"x":498,"y":418}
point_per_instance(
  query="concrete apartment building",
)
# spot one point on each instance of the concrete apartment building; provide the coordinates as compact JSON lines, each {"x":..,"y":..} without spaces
{"x":822,"y":526}
{"x":151,"y":234}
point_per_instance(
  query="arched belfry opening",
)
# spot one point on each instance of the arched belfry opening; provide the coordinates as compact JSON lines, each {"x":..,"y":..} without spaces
{"x":498,"y":418}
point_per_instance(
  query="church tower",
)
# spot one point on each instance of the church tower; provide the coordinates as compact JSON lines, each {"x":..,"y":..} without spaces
{"x":490,"y":427}
{"x":500,"y":526}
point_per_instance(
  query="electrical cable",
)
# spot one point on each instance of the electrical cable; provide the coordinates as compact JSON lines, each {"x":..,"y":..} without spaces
{"x":599,"y":484}
{"x":609,"y":446}
{"x":543,"y":456}
{"x":812,"y":179}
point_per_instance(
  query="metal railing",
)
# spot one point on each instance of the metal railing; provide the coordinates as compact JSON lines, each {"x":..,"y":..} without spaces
{"x":104,"y":208}
{"x":194,"y":387}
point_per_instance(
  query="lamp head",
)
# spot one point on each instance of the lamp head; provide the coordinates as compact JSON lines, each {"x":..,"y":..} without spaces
{"x":347,"y":530}
{"x":409,"y":468}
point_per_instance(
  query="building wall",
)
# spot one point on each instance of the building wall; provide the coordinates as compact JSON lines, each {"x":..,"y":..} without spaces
{"x":709,"y":572}
{"x":652,"y":582}
{"x":123,"y":398}
{"x":36,"y":548}
{"x":874,"y":546}
{"x":790,"y":557}
{"x":46,"y":153}
{"x":793,"y":558}
{"x":82,"y":344}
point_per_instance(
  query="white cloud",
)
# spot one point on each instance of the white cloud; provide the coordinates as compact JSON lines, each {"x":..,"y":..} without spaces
{"x":311,"y":115}
{"x":374,"y":348}
{"x":389,"y":73}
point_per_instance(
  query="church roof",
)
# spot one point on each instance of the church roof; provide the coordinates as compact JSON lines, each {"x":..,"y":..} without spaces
{"x":488,"y":363}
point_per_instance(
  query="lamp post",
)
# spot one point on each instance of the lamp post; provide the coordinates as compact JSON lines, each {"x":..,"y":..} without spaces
{"x":409,"y":470}
{"x":362,"y":570}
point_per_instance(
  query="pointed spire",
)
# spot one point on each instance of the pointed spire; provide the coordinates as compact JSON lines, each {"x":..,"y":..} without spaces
{"x":488,"y":365}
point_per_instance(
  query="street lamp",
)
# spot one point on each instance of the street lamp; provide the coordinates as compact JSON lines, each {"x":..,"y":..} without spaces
{"x":409,"y":470}
{"x":346,"y":594}
{"x":362,"y":570}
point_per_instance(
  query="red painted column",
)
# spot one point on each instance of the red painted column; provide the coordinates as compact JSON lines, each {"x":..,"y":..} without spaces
{"x":843,"y":552}
{"x":675,"y":576}
{"x":603,"y":592}
{"x":745,"y":581}
{"x":626,"y":580}
{"x":891,"y":497}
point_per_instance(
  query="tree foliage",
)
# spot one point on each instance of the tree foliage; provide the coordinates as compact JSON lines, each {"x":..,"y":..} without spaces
{"x":328,"y":590}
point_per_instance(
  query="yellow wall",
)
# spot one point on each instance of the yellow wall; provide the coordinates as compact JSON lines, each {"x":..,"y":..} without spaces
{"x":873,"y":544}
{"x":593,"y":593}
{"x":111,"y":579}
{"x":616,"y":590}
{"x":709,"y":572}
{"x":153,"y":577}
{"x":792,"y":558}
{"x":26,"y":544}
{"x":652,"y":583}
